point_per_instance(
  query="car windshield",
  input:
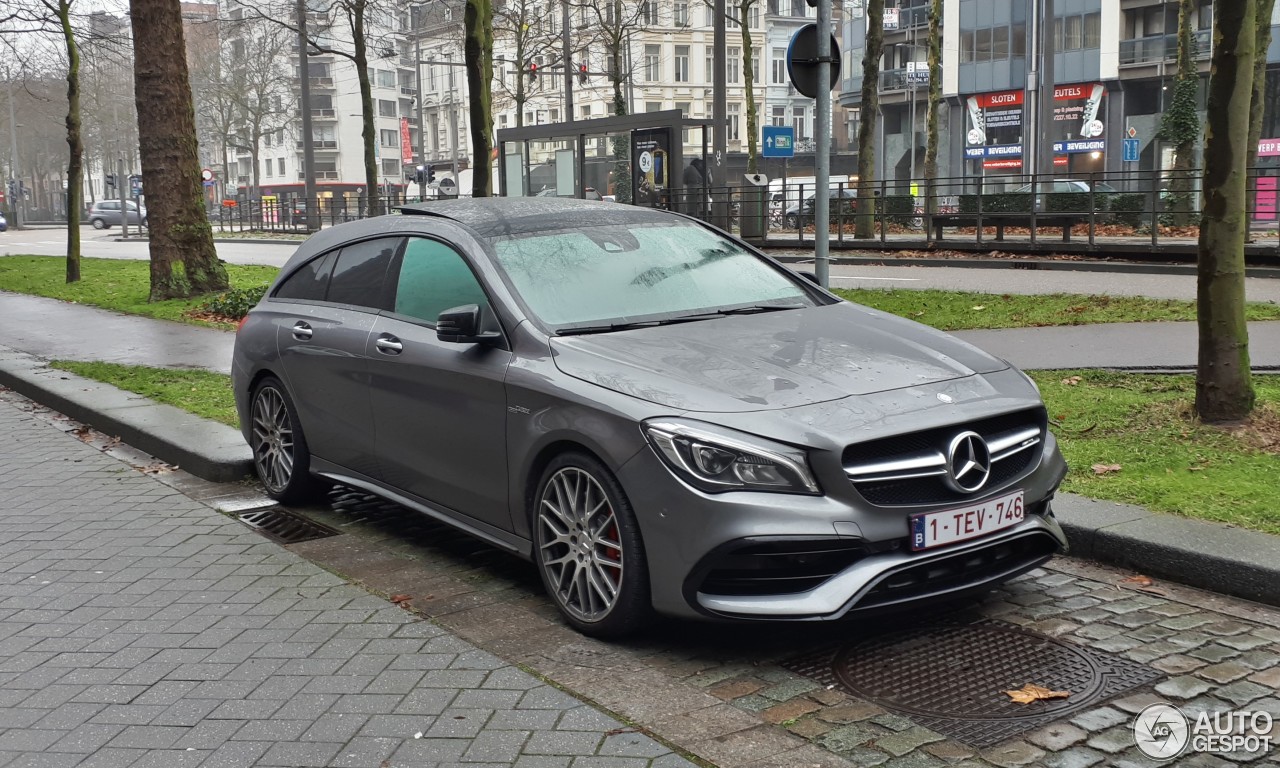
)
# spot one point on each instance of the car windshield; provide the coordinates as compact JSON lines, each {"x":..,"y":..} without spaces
{"x":627,"y":273}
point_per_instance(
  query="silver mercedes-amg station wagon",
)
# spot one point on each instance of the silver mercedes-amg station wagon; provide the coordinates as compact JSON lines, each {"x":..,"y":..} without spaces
{"x":658,"y":415}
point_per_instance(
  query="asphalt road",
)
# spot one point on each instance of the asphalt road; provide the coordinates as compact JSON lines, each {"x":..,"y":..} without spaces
{"x":100,"y":244}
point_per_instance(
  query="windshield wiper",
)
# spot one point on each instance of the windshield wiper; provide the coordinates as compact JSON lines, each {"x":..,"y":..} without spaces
{"x":609,"y":327}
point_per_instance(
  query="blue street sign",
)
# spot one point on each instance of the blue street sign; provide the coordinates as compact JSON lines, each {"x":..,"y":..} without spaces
{"x":779,"y":141}
{"x":135,"y":185}
{"x":1131,"y":150}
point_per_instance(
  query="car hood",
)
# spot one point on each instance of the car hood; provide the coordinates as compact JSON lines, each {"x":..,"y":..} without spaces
{"x":771,"y":360}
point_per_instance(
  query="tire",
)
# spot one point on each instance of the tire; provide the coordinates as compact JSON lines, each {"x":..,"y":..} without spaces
{"x":594,"y":569}
{"x":99,"y":224}
{"x":790,"y":222}
{"x":280,"y":454}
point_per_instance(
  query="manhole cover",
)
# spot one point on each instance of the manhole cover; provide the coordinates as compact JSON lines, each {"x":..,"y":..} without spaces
{"x":284,"y":526}
{"x":952,"y":679}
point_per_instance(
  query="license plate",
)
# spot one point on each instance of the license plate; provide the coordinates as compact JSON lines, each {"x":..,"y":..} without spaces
{"x":935,"y":529}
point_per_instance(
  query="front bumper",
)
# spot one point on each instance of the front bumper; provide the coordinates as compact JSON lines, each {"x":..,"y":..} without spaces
{"x":818,"y":557}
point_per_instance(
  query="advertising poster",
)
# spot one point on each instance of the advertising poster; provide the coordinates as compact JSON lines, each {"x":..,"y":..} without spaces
{"x":994,"y":133}
{"x":1077,"y":125}
{"x":406,"y":142}
{"x":651,"y":171}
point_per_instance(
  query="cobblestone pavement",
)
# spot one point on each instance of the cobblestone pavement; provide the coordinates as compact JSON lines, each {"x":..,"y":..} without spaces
{"x":722,"y":692}
{"x":139,"y":627}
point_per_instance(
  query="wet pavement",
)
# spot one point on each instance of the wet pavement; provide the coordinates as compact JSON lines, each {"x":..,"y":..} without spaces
{"x":51,"y":329}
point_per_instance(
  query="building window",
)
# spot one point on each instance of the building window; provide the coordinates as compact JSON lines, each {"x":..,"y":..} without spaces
{"x":709,"y":17}
{"x":386,"y":79}
{"x":280,"y":164}
{"x":390,"y":167}
{"x":386,"y":108}
{"x":653,"y":106}
{"x":779,"y":66}
{"x":753,"y":15}
{"x":649,"y":12}
{"x":1000,"y":43}
{"x":653,"y":63}
{"x":778,"y":117}
{"x":798,"y":123}
{"x":735,"y":115}
{"x":1073,"y":33}
{"x":711,"y":65}
{"x":680,"y":13}
{"x":585,"y":111}
{"x":684,"y":106}
{"x":266,"y":168}
{"x":389,"y":138}
{"x":682,"y":64}
{"x":733,"y":65}
{"x":755,"y":65}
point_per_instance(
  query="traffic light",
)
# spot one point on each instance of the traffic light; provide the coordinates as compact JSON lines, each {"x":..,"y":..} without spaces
{"x":431,"y":175}
{"x":421,"y":175}
{"x":111,"y":180}
{"x":13,"y":189}
{"x":582,"y":74}
{"x":533,"y":72}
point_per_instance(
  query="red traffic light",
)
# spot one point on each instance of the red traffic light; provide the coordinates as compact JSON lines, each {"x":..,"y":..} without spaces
{"x":582,"y":68}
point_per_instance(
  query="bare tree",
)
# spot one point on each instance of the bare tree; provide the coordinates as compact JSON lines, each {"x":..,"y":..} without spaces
{"x":935,"y":100}
{"x":364,"y":21}
{"x":1180,"y":123}
{"x":477,"y":53}
{"x":869,"y":108}
{"x":254,"y":88}
{"x":180,"y":230}
{"x":1224,"y":388}
{"x":523,"y":26}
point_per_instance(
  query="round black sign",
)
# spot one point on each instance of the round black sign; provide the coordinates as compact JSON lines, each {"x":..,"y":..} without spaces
{"x":801,"y":64}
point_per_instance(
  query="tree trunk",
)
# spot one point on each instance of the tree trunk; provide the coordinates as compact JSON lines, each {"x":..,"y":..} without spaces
{"x":1258,"y":104}
{"x":1224,"y":390}
{"x":935,"y":100}
{"x":621,"y":141}
{"x":521,"y":66}
{"x":368,"y":131}
{"x":749,"y":80}
{"x":1181,"y":122}
{"x":478,"y":54}
{"x":179,"y":229}
{"x":869,"y":112}
{"x":75,"y":143}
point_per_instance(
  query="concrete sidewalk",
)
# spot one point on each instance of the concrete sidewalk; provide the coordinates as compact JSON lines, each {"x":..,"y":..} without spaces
{"x":140,"y":627}
{"x":51,"y":329}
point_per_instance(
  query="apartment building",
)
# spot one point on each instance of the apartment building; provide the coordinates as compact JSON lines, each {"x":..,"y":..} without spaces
{"x":1114,"y":63}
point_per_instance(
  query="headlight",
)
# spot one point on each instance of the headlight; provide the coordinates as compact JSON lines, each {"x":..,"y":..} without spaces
{"x":715,"y":462}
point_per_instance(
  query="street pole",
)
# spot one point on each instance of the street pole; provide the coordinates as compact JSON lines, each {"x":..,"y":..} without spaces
{"x":14,"y":204}
{"x":422,"y":134}
{"x":308,"y":146}
{"x":719,"y":85}
{"x":453,"y":140}
{"x":567,"y":56}
{"x":122,"y":186}
{"x":1045,"y":160}
{"x":822,"y":181}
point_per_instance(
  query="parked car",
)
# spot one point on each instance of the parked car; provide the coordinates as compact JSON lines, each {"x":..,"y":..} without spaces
{"x":656,"y":414}
{"x":4,"y":223}
{"x":1101,"y":189}
{"x":801,"y":214}
{"x":106,"y":213}
{"x":589,"y":193}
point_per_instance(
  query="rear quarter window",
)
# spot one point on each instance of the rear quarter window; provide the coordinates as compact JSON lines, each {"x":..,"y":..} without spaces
{"x":310,"y":282}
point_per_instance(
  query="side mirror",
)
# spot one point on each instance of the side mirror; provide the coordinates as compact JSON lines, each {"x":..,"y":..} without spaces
{"x":461,"y":325}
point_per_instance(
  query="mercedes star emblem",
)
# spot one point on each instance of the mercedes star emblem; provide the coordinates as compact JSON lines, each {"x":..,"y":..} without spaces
{"x":968,"y":462}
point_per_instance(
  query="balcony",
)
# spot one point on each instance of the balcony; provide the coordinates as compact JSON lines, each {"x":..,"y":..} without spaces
{"x":406,"y":90}
{"x":324,"y":114}
{"x":1157,"y":48}
{"x":317,"y":82}
{"x":321,"y":145}
{"x":325,"y":175}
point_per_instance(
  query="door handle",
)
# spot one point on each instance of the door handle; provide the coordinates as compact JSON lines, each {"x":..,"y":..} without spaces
{"x":302,"y":331}
{"x":389,"y":345}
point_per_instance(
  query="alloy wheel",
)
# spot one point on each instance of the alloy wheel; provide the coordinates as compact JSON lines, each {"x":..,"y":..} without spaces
{"x":272,"y":439}
{"x":580,"y":544}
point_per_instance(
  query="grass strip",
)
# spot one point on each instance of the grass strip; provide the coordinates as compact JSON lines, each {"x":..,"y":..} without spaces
{"x":204,"y":393}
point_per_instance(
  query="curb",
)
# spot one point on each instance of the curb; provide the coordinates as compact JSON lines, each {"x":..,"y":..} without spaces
{"x":1211,"y":556}
{"x":204,"y":448}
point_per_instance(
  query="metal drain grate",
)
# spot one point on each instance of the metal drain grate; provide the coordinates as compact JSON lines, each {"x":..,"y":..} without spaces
{"x":952,"y":679}
{"x":285,"y":526}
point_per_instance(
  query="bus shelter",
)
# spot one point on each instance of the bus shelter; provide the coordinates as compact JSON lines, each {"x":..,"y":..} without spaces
{"x":656,"y":159}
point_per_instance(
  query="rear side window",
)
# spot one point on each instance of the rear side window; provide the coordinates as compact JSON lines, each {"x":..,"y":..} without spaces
{"x":433,"y":278}
{"x":310,"y":281}
{"x":359,"y":276}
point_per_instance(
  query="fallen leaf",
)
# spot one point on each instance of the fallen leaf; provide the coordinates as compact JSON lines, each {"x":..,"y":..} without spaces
{"x":400,"y":600}
{"x":1071,"y":381}
{"x":979,"y":308}
{"x":1030,"y":693}
{"x":1102,"y":469}
{"x":1137,"y":580}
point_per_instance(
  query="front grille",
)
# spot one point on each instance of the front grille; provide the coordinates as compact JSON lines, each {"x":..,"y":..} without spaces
{"x":778,"y":567}
{"x":910,"y":469}
{"x":962,"y":570}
